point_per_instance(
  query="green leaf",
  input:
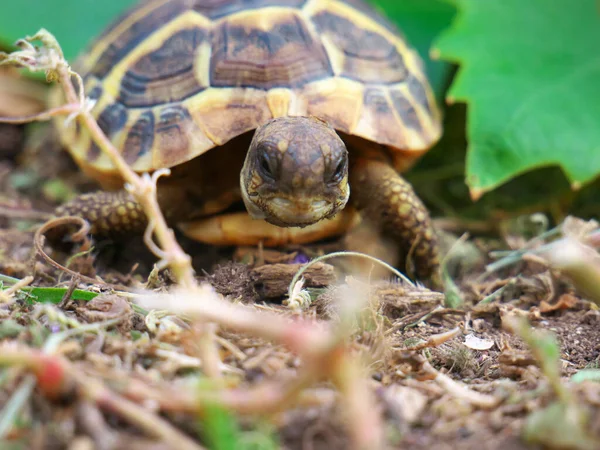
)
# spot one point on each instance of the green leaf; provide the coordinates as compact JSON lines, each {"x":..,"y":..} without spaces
{"x":10,"y":328}
{"x":74,"y":22}
{"x":46,"y":294}
{"x":55,"y":295}
{"x":221,"y":429}
{"x":422,"y":21}
{"x":453,"y":298}
{"x":586,"y":375}
{"x":529,"y":73}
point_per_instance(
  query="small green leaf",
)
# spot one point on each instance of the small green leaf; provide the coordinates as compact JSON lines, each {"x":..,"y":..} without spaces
{"x":39,"y":335}
{"x":222,"y":431}
{"x":46,"y":294}
{"x":529,"y":73}
{"x":586,"y":375}
{"x":57,"y":190}
{"x":55,"y":295}
{"x":10,"y":328}
{"x":559,"y":425}
{"x":22,"y":180}
{"x":453,"y":297}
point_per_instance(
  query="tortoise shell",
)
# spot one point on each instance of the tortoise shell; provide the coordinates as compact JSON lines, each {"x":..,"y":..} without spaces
{"x":173,"y":79}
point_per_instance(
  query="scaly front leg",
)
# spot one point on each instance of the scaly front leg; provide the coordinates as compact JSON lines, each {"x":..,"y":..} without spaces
{"x":108,"y":213}
{"x":386,"y":200}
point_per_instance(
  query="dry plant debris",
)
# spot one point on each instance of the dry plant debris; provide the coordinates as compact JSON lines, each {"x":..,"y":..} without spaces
{"x":174,"y":361}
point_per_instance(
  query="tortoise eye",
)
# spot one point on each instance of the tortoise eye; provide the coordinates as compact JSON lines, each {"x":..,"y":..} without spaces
{"x":265,"y":166}
{"x":339,"y":172}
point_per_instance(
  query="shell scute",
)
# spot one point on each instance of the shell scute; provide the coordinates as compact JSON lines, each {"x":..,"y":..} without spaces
{"x":267,"y":52}
{"x":406,"y":111}
{"x":216,"y":9}
{"x":140,"y":138}
{"x":113,"y":118}
{"x":378,"y":118}
{"x":166,"y":74}
{"x":419,"y":93}
{"x":367,"y":10}
{"x":223,"y":114}
{"x":368,"y":56}
{"x":134,"y":34}
{"x":175,"y":130}
{"x":345,"y":94}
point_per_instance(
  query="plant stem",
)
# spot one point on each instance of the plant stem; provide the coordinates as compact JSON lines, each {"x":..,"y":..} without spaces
{"x":142,"y":190}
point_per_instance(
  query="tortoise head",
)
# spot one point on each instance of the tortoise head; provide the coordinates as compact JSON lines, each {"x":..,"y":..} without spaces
{"x":295,"y":173}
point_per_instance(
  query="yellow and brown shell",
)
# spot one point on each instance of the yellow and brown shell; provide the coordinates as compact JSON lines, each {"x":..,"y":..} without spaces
{"x":173,"y":79}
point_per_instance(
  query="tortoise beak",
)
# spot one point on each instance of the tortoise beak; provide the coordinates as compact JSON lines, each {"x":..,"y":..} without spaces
{"x":298,"y":212}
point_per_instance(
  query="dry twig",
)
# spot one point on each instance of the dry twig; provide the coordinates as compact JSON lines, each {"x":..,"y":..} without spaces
{"x":57,"y":377}
{"x":50,"y":59}
{"x":324,"y":351}
{"x":7,"y":295}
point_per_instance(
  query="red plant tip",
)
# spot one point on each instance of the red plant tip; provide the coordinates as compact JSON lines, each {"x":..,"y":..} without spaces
{"x":50,"y":375}
{"x":302,"y":337}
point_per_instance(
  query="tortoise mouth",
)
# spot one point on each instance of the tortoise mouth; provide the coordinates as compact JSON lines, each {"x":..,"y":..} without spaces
{"x":297,"y":213}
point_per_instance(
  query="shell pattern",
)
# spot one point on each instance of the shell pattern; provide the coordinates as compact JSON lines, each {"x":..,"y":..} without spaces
{"x":173,"y":79}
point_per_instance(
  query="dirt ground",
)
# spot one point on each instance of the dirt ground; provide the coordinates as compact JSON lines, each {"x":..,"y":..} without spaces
{"x":419,"y":412}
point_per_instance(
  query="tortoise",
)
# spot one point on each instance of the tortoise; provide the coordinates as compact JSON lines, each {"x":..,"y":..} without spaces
{"x":281,"y":105}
